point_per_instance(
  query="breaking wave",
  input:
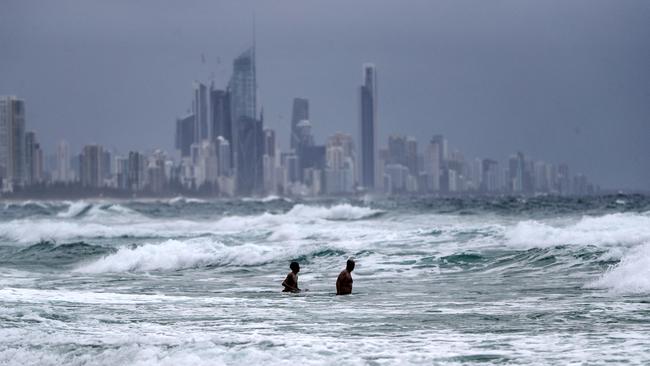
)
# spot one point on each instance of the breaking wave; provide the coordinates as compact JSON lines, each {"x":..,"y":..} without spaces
{"x":626,"y":229}
{"x":200,"y":252}
{"x":89,"y":210}
{"x":85,"y":220}
{"x":630,"y":276}
{"x":338,"y":212}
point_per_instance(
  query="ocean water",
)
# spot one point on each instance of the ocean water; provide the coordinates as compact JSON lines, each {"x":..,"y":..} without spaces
{"x":438,"y":281}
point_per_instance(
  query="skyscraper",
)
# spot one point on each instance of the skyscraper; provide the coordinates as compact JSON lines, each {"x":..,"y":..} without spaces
{"x":243,"y":94}
{"x":432,"y":165}
{"x":136,"y":170}
{"x":220,"y":121}
{"x":516,"y":172}
{"x":63,"y":162}
{"x":440,"y":178}
{"x":396,"y":150}
{"x":223,"y":155}
{"x":91,"y":166}
{"x":200,"y":110}
{"x":339,"y":158}
{"x":368,"y":129}
{"x":33,"y":159}
{"x":442,"y":147}
{"x":412,"y":155}
{"x":299,"y":113}
{"x":490,"y":175}
{"x":12,"y":139}
{"x":269,"y":142}
{"x":250,"y":149}
{"x":185,"y":134}
{"x":269,"y":162}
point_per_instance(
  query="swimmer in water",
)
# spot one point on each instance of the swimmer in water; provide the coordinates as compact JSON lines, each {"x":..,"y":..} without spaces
{"x":344,"y":281}
{"x":291,"y":282}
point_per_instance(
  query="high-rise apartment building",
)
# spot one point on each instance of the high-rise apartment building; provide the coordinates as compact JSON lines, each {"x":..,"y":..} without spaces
{"x":433,"y":165}
{"x":90,"y":166}
{"x":12,"y":140}
{"x":220,"y":121}
{"x":243,"y":95}
{"x":33,"y":159}
{"x":368,"y":129}
{"x":300,"y":112}
{"x":63,"y":172}
{"x":185,"y":134}
{"x":200,"y":110}
{"x":250,"y":149}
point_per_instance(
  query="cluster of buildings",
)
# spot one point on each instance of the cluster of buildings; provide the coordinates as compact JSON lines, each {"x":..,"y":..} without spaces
{"x":21,"y":156}
{"x":224,"y":149}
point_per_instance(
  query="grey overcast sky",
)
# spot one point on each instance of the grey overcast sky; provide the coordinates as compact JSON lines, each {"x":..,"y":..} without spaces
{"x":563,"y":81}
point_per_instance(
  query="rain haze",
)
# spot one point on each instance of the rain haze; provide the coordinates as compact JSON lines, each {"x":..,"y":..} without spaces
{"x":303,"y":182}
{"x":560,"y":81}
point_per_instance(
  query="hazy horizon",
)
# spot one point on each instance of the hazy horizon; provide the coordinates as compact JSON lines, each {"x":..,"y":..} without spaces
{"x":561,"y":82}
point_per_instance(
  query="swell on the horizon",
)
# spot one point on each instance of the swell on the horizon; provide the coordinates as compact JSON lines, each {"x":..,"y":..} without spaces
{"x":84,"y":220}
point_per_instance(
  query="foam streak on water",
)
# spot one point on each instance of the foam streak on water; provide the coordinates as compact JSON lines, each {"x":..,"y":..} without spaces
{"x":197,"y":282}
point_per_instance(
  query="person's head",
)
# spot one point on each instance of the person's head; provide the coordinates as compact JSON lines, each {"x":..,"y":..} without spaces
{"x":295,"y":267}
{"x":350,"y":265}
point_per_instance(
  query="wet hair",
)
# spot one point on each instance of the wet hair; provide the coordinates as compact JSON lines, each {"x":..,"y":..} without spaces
{"x":294,"y":266}
{"x":350,"y":263}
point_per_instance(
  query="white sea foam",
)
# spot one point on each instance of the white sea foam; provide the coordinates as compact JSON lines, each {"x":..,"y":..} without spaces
{"x":626,"y":229}
{"x":74,"y":209}
{"x":110,"y":212}
{"x":175,"y":254}
{"x":29,"y":295}
{"x":266,"y":199}
{"x":96,"y":211}
{"x":41,"y":204}
{"x":28,"y":231}
{"x":181,"y":200}
{"x":114,"y":221}
{"x":338,"y":212}
{"x":630,"y":276}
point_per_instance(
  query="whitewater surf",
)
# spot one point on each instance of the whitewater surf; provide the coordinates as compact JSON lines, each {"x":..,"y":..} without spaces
{"x":438,"y":281}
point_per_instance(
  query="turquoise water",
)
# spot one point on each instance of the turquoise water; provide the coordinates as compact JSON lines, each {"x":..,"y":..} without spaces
{"x":191,"y":282}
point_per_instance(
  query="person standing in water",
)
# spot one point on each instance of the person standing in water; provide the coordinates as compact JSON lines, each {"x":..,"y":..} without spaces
{"x":291,"y":282}
{"x":344,"y":281}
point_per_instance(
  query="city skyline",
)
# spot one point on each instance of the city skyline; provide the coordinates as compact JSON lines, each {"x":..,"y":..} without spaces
{"x":228,"y":152}
{"x":617,"y":120}
{"x":249,"y":165}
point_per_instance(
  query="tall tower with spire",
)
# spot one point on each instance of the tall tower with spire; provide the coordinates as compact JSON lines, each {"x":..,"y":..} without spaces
{"x":370,"y":175}
{"x":246,"y":128}
{"x":243,"y":88}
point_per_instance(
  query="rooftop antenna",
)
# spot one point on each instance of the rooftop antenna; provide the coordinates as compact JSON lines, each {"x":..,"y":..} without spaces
{"x":254,"y":66}
{"x":254,"y":32}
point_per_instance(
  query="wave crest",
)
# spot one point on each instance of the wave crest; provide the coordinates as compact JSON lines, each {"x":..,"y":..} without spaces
{"x":79,"y":209}
{"x":630,"y":276}
{"x":343,"y":211}
{"x":606,"y":231}
{"x":178,"y":255}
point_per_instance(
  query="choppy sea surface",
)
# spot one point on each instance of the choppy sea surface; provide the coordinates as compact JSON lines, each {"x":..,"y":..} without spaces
{"x":438,"y":281}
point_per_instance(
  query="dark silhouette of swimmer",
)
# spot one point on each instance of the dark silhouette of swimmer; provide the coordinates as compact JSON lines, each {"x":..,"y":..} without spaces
{"x":344,"y":281}
{"x":291,"y":282}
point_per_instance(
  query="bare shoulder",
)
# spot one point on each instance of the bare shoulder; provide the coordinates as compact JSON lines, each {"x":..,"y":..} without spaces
{"x":343,"y":273}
